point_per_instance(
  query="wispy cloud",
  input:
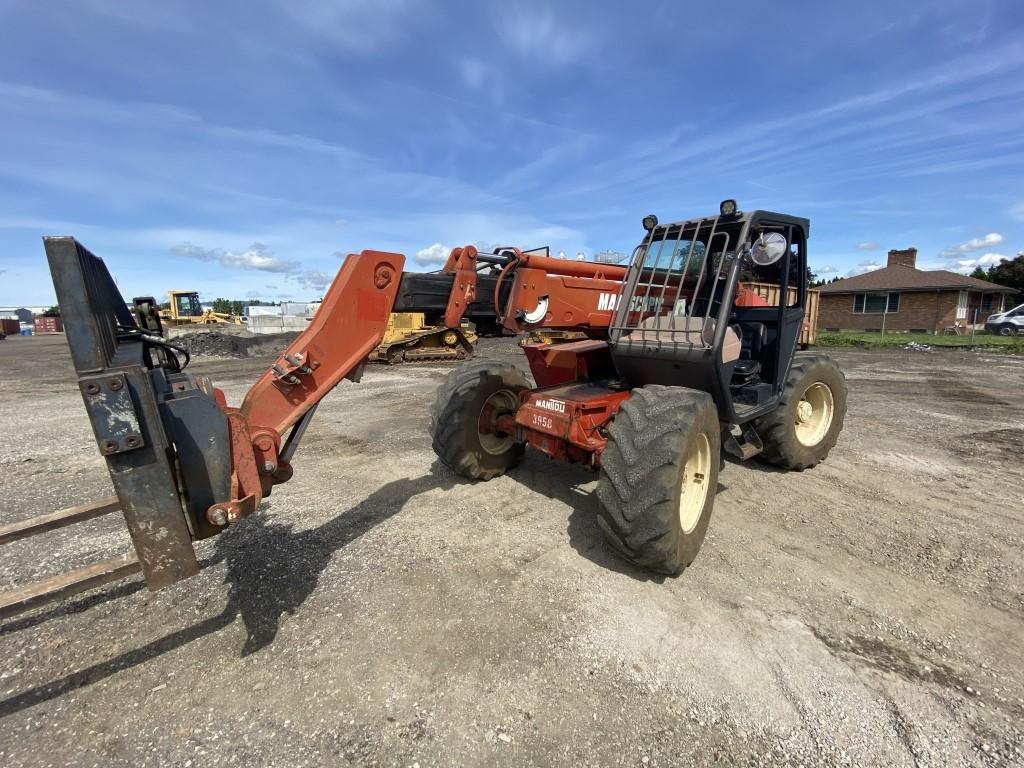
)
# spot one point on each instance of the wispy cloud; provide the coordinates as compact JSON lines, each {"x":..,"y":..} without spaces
{"x":356,"y":26}
{"x":967,"y":265}
{"x":432,"y":255}
{"x":974,"y":244}
{"x":862,"y":125}
{"x":992,"y":238}
{"x":473,"y":71}
{"x":256,"y":257}
{"x":163,"y":16}
{"x":864,"y":266}
{"x":538,"y":35}
{"x":526,"y":124}
{"x":43,"y":224}
{"x":314,"y":280}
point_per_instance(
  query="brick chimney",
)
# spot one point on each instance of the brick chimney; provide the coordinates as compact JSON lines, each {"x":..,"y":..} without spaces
{"x":905,"y":258}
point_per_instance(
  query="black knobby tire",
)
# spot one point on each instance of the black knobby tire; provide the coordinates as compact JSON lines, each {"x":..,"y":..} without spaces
{"x":1007,"y":329}
{"x":778,"y":430}
{"x":643,"y":471}
{"x":455,"y":418}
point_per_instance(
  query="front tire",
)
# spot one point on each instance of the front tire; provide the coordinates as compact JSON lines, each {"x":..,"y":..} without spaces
{"x":464,"y":413}
{"x":806,"y":424}
{"x":659,"y":474}
{"x":1006,"y":330}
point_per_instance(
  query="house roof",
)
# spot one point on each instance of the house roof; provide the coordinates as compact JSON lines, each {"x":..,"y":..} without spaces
{"x":903,"y":278}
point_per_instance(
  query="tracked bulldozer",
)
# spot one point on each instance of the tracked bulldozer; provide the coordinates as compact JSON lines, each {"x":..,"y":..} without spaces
{"x":184,"y":308}
{"x":418,"y":328}
{"x":673,"y":371}
{"x":409,"y":338}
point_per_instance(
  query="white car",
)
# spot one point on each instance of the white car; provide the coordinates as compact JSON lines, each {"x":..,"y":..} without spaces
{"x":1006,"y":323}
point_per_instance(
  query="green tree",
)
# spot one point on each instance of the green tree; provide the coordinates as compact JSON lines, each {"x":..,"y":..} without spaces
{"x":236,"y":308}
{"x":979,"y":273}
{"x":1009,"y":273}
{"x":222,"y":306}
{"x":53,"y":311}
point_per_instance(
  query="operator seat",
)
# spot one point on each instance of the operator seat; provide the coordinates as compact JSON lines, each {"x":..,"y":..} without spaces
{"x":754,"y":339}
{"x":694,"y":331}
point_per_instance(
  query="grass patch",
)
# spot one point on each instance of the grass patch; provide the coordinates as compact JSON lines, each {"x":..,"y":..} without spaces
{"x":1013,"y":345}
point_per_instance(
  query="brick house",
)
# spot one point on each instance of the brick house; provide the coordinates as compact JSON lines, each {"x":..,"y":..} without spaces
{"x":902,"y":297}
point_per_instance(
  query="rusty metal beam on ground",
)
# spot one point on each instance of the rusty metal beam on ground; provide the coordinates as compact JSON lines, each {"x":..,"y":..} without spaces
{"x":48,"y":522}
{"x":66,"y":584}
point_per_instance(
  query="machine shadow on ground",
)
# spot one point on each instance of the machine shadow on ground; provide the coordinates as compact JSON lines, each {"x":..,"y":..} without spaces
{"x":564,"y":482}
{"x":755,"y":463}
{"x":271,"y":571}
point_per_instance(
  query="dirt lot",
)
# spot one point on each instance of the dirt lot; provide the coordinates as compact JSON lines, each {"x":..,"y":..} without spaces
{"x":380,"y":611}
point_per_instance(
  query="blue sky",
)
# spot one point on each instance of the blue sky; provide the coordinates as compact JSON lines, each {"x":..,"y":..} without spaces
{"x":239,"y":147}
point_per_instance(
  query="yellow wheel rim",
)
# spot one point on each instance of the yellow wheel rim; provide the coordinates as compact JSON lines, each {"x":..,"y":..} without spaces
{"x":694,"y":489}
{"x":814,"y":414}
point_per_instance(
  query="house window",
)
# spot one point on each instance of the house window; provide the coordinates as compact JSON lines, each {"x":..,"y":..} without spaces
{"x":876,"y":303}
{"x":961,"y":306}
{"x":991,"y":302}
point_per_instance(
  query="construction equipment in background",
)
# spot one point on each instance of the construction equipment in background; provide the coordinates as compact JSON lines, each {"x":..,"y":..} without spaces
{"x":674,"y":370}
{"x":408,"y":338}
{"x":426,"y":334}
{"x":429,"y":292}
{"x":186,"y":309}
{"x":549,"y":336}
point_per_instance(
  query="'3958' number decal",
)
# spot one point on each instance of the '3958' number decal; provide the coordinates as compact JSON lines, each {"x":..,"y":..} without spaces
{"x":542,"y":421}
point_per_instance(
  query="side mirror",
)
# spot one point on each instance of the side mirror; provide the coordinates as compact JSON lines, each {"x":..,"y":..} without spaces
{"x":768,"y":249}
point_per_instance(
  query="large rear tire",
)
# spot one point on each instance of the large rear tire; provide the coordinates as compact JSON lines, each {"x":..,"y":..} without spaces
{"x":463,"y":415}
{"x":659,"y":474}
{"x":804,"y":427}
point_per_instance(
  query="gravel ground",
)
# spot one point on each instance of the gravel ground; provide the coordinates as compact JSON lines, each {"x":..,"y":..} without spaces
{"x":379,"y":611}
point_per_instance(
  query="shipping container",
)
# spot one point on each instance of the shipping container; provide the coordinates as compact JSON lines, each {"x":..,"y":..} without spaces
{"x":48,"y":325}
{"x":10,"y":327}
{"x":770,"y":293}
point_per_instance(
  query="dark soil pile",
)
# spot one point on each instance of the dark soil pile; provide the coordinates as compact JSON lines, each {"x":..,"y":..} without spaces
{"x":217,"y":344}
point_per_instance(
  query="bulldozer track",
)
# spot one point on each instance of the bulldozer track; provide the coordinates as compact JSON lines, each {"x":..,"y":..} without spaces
{"x":424,"y":358}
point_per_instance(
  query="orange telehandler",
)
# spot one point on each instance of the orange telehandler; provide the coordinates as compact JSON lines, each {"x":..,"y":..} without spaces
{"x":674,"y":369}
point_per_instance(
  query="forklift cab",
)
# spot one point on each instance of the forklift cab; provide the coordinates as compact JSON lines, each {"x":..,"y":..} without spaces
{"x":715,"y":304}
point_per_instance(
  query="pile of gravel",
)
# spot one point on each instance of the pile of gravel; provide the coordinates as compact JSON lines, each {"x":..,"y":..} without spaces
{"x":218,"y":344}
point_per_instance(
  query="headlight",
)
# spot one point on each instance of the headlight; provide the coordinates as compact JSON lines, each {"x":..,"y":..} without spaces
{"x":650,"y":222}
{"x":727,"y":207}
